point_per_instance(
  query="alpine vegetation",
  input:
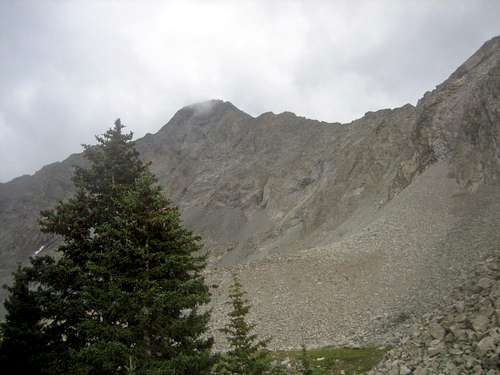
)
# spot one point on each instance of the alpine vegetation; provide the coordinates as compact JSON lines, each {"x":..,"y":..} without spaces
{"x":247,"y":354}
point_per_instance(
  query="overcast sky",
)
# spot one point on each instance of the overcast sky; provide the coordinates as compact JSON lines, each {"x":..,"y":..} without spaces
{"x":68,"y":69}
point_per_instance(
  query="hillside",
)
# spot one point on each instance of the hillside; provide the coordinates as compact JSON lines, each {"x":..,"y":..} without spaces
{"x":339,"y":231}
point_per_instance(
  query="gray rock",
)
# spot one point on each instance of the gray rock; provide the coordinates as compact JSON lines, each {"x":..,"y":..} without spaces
{"x":436,"y":331}
{"x":403,"y":370}
{"x":436,"y":348}
{"x":485,"y":345}
{"x":460,"y":318}
{"x":420,"y":371}
{"x":459,"y":306}
{"x":459,"y":333}
{"x":480,"y":323}
{"x":497,"y":290}
{"x":485,"y":283}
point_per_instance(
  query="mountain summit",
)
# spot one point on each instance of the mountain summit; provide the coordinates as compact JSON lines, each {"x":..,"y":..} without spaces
{"x":346,"y":228}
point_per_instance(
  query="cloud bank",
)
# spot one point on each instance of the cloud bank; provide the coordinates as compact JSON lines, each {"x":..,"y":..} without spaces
{"x":69,"y":69}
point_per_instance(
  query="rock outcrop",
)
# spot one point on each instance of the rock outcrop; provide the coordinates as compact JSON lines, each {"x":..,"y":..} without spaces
{"x":462,"y":337}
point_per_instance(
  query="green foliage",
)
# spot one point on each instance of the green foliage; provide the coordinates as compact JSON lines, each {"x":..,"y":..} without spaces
{"x":23,"y":345}
{"x":247,"y":354}
{"x":332,"y":360}
{"x":124,"y":296}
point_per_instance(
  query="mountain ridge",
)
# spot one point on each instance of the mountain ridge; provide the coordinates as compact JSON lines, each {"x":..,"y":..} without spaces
{"x":280,"y":194}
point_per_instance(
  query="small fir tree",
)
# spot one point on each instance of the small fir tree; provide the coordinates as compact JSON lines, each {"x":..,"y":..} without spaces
{"x":247,"y":354}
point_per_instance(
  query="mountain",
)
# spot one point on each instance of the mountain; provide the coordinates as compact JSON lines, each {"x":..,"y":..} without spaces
{"x":338,"y":231}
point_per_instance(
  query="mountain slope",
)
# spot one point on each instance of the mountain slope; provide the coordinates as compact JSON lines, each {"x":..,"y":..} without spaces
{"x":255,"y":185}
{"x":338,"y":223}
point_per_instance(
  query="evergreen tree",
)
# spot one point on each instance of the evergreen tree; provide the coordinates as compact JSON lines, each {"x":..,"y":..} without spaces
{"x":22,"y":345}
{"x":125,"y":293}
{"x":247,"y":354}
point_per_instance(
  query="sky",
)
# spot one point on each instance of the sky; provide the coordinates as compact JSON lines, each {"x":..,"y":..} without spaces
{"x":68,"y":69}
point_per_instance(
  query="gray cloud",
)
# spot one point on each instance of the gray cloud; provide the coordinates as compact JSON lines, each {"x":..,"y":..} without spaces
{"x":68,"y":69}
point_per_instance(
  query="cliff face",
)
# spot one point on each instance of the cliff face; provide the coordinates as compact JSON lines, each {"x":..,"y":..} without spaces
{"x":268,"y":185}
{"x":460,"y":120}
{"x":396,"y":186}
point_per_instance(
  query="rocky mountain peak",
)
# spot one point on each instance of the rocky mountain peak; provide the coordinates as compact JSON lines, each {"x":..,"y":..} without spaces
{"x":374,"y":218}
{"x":203,"y":112}
{"x":460,"y":120}
{"x":480,"y":62}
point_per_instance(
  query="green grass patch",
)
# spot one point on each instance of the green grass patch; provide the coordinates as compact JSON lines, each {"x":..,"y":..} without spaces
{"x":332,"y":360}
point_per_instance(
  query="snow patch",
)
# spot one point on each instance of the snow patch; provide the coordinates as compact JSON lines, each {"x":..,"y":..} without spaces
{"x":39,"y":250}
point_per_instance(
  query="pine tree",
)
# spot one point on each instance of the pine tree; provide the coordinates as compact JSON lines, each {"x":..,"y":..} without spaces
{"x":22,"y":345}
{"x":247,"y":354}
{"x":125,"y":294}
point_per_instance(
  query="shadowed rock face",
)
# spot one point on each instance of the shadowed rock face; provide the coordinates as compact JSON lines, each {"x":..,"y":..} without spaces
{"x":263,"y":190}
